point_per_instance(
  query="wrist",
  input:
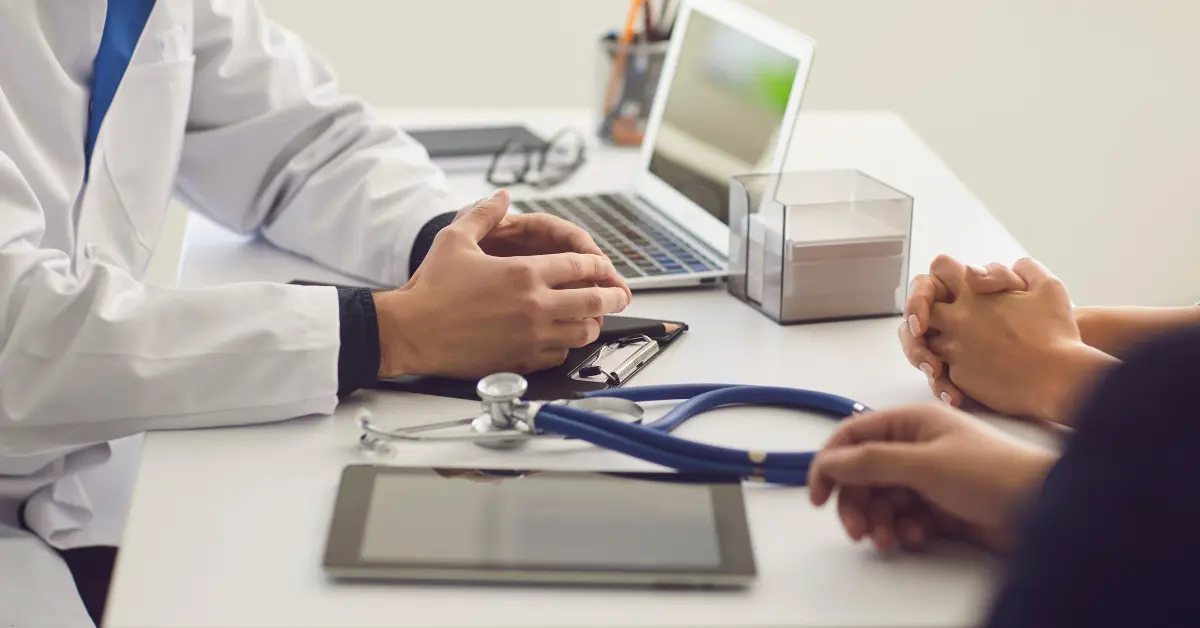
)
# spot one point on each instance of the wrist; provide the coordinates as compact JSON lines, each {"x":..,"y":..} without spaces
{"x":1070,"y":376}
{"x":397,"y":352}
{"x":1026,"y":477}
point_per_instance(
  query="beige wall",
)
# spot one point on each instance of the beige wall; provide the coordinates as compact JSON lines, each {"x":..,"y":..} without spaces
{"x":1076,"y":121}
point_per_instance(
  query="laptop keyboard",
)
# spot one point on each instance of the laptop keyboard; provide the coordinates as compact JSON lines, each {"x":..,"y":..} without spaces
{"x":637,"y":246}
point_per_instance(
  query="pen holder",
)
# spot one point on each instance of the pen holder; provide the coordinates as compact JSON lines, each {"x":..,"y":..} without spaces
{"x":811,"y":246}
{"x":628,"y":79}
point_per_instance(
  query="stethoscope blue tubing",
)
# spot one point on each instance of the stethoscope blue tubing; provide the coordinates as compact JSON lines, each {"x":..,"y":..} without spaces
{"x":652,"y":441}
{"x":551,"y":421}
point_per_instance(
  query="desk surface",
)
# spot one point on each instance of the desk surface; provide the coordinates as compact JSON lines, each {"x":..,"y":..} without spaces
{"x":227,"y":526}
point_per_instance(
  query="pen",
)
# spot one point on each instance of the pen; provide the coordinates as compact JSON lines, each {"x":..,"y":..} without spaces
{"x":653,"y":330}
{"x":648,"y":33}
{"x":622,"y":135}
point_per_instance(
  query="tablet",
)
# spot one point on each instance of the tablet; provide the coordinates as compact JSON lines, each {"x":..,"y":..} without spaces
{"x":547,"y":527}
{"x":458,"y":148}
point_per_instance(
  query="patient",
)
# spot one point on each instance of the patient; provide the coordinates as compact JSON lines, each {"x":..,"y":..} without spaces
{"x":1106,"y":535}
{"x":1011,"y":340}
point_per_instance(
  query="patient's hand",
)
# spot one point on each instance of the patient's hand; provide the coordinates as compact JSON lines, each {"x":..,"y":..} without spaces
{"x":946,"y":279}
{"x":1018,"y":352}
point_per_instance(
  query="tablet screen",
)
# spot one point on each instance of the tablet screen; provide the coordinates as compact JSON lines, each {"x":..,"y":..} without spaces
{"x":458,"y":519}
{"x":552,"y":521}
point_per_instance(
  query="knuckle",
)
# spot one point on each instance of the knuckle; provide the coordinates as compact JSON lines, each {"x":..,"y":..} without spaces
{"x":594,"y":301}
{"x":529,"y":311}
{"x":556,"y":358}
{"x":521,"y":274}
{"x":942,"y":259}
{"x":576,"y":265}
{"x":587,"y":333}
{"x":444,"y":237}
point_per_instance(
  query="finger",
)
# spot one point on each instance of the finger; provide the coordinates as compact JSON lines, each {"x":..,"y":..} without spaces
{"x":918,"y":353}
{"x":946,"y":392}
{"x":585,"y":302}
{"x":950,"y":272}
{"x":945,"y":346}
{"x":993,"y":278}
{"x":561,"y":269}
{"x":902,"y":499}
{"x":873,"y":464}
{"x":572,"y":334}
{"x":852,"y":510}
{"x":916,"y":529}
{"x":883,"y":530}
{"x":478,"y":220}
{"x":923,"y":292}
{"x":1033,"y":273}
{"x":911,"y":534}
{"x":825,"y":472}
{"x":566,"y":235}
{"x":903,"y":423}
{"x":942,"y":322}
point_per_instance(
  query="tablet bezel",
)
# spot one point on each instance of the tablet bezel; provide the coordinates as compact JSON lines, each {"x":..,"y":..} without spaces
{"x":343,"y":557}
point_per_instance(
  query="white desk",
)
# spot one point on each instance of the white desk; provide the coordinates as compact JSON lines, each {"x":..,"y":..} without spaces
{"x":227,"y":526}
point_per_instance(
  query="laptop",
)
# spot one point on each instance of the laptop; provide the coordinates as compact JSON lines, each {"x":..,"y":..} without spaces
{"x":726,"y":105}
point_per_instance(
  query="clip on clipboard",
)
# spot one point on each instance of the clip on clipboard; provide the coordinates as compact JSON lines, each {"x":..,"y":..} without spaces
{"x":625,"y":346}
{"x":616,"y":361}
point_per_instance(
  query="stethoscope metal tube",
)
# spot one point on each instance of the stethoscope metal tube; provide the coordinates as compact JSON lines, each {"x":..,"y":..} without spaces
{"x":508,"y":421}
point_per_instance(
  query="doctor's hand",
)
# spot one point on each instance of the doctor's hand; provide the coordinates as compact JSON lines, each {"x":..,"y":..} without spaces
{"x":537,"y":234}
{"x":909,"y":476}
{"x":468,"y":314}
{"x":928,"y":289}
{"x":1017,"y":352}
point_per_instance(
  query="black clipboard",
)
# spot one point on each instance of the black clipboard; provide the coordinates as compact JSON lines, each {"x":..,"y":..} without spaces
{"x":565,"y":381}
{"x":615,"y":352}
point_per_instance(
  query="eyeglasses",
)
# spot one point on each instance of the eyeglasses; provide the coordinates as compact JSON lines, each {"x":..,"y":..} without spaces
{"x":538,"y":166}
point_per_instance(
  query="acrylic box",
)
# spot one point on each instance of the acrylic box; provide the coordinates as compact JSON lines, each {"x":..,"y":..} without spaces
{"x":819,"y":245}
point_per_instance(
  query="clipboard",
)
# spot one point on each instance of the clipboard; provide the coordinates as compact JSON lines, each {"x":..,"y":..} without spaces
{"x":625,"y":346}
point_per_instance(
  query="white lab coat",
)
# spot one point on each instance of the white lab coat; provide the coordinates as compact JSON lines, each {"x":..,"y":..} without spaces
{"x":235,"y":116}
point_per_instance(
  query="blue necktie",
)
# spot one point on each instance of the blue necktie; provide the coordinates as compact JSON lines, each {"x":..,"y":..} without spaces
{"x":123,"y":26}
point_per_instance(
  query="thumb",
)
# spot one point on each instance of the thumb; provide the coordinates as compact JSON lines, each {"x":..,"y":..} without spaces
{"x":479,"y":219}
{"x":993,"y":278}
{"x":1033,"y":273}
{"x":873,"y":464}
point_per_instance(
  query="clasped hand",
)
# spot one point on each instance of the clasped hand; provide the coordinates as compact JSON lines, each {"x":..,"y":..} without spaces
{"x":1005,"y":338}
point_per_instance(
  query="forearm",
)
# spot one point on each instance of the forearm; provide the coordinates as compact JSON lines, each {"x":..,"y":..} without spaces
{"x":1116,"y":330}
{"x":103,"y":357}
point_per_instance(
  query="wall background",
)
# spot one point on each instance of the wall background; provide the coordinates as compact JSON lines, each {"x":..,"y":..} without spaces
{"x":1076,"y":121}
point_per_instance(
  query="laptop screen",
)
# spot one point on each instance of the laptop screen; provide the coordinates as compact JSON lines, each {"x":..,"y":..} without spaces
{"x":723,"y":112}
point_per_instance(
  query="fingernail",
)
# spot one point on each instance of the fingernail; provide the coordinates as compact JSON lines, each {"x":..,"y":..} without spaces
{"x":927,"y":370}
{"x":946,"y":399}
{"x":978,"y":270}
{"x":914,"y":326}
{"x":499,"y":194}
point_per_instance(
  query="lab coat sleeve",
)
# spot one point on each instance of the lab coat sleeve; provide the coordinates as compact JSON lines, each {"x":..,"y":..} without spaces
{"x":89,"y":354}
{"x":272,"y":146}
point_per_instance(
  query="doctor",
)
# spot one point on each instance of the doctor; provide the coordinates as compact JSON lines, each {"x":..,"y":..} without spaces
{"x":107,"y":109}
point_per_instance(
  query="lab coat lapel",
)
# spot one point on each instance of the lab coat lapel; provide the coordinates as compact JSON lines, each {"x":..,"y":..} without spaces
{"x":139,"y":145}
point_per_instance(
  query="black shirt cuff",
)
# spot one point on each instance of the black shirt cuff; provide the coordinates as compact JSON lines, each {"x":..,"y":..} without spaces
{"x":425,"y":238}
{"x":358,"y":358}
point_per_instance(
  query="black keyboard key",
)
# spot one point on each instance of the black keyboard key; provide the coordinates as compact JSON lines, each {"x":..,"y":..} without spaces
{"x":698,"y":266}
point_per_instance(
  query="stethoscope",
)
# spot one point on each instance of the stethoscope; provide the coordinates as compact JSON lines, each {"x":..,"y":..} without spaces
{"x":508,"y":421}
